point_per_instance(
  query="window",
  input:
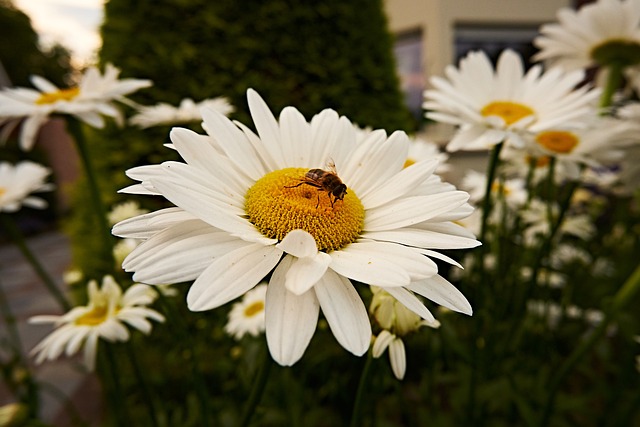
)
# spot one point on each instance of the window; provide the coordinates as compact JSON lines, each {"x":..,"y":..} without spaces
{"x":494,"y":39}
{"x":408,"y":53}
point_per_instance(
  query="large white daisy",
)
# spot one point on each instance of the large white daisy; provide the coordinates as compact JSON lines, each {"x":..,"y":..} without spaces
{"x":244,"y":211}
{"x":93,"y":98}
{"x":601,"y":33}
{"x":104,"y":317}
{"x":494,"y":106}
{"x":18,"y":182}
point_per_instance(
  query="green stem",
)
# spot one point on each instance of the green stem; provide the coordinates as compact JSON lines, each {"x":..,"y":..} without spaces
{"x":491,"y":174}
{"x":259,"y":385}
{"x":142,"y":382}
{"x":614,"y":80}
{"x":75,"y":129}
{"x":15,"y":234}
{"x":10,"y":320}
{"x":116,"y":392}
{"x":177,"y":321}
{"x":362,"y":385}
{"x":625,"y":294}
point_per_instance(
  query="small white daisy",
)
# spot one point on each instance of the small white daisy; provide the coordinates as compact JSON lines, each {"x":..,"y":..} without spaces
{"x":600,"y":33}
{"x":188,"y":111}
{"x":512,"y":190}
{"x":18,"y":182}
{"x":247,"y":316}
{"x":249,"y":205}
{"x":125,"y":210}
{"x":422,"y":149}
{"x":502,"y":105}
{"x":104,"y":317}
{"x":88,"y":102}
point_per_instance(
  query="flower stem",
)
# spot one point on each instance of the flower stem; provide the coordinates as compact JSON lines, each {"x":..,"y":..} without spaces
{"x":178,"y":322}
{"x":14,"y":232}
{"x":491,"y":174}
{"x":142,"y":382}
{"x":75,"y":129}
{"x":116,"y":392}
{"x":362,"y":385}
{"x":625,"y":294}
{"x":614,"y":79}
{"x":259,"y":384}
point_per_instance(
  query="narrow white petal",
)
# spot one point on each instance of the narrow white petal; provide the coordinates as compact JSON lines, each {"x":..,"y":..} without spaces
{"x":440,"y":291}
{"x":345,"y":312}
{"x":366,"y":267}
{"x":305,"y":272}
{"x":398,"y":358}
{"x":295,"y":138}
{"x":267,"y":126}
{"x":231,"y":275}
{"x":299,"y":243}
{"x":381,"y":343}
{"x":412,"y":210}
{"x":290,"y":319}
{"x":410,"y":301}
{"x":90,"y":351}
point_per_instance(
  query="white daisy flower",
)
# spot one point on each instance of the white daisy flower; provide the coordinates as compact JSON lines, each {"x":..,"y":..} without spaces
{"x":251,"y":205}
{"x":494,"y":106}
{"x":422,"y":149}
{"x":105,"y":316}
{"x":188,"y":111}
{"x":18,"y":182}
{"x":124,"y":210}
{"x":247,"y":316}
{"x":512,"y":190}
{"x":88,"y":102}
{"x":598,"y":144}
{"x":601,"y":33}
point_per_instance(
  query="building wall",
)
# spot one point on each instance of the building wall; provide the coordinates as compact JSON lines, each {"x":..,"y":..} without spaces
{"x":437,"y":19}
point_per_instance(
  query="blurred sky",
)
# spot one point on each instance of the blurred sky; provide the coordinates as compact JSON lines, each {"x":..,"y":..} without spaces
{"x":72,"y":23}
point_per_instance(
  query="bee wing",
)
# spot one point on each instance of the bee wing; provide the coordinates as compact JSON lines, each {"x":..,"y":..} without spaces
{"x":331,"y":166}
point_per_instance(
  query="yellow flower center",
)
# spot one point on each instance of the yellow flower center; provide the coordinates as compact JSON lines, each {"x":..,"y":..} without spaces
{"x":96,"y":316}
{"x":2,"y":191}
{"x":254,"y":309}
{"x":281,"y":201}
{"x":617,"y":51}
{"x":510,"y":112}
{"x":59,"y":95}
{"x":499,"y":188}
{"x":557,"y":141}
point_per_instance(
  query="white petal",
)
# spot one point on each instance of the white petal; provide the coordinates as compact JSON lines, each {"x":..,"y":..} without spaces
{"x":231,"y":275}
{"x":290,"y":319}
{"x":440,"y":291}
{"x":366,"y":267}
{"x":267,"y":126}
{"x":295,"y":138}
{"x":90,"y":350}
{"x":305,"y":272}
{"x":398,"y":358}
{"x":299,"y":243}
{"x":410,"y":301}
{"x":381,"y":343}
{"x":345,"y":312}
{"x":412,"y":210}
{"x":399,"y":185}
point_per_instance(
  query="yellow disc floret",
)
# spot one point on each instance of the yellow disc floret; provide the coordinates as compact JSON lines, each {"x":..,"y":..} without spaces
{"x":508,"y":111}
{"x":59,"y":95}
{"x":254,"y":309}
{"x":281,"y":201}
{"x":558,"y":141}
{"x":97,"y":315}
